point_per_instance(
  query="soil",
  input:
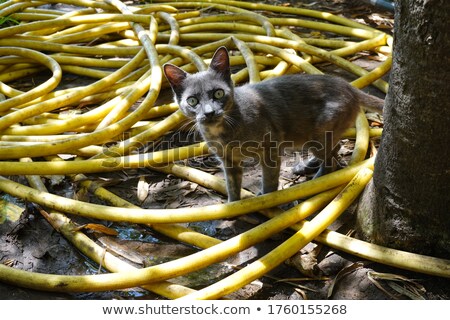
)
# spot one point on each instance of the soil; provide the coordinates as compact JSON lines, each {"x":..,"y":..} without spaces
{"x":317,"y":272}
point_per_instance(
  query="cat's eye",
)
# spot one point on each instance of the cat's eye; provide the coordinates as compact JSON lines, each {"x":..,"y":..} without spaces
{"x":192,"y":101}
{"x":218,"y":94}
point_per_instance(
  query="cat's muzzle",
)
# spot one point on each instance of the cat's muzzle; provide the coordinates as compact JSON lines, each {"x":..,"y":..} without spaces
{"x":210,"y":117}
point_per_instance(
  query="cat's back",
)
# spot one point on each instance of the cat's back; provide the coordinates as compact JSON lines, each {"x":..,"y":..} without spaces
{"x":300,"y":87}
{"x":301,"y":105}
{"x":299,"y":94}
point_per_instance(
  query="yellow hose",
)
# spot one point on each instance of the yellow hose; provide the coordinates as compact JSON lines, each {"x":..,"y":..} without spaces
{"x":66,"y":227}
{"x":167,"y":270}
{"x":211,"y":212}
{"x":291,"y":246}
{"x":44,"y":88}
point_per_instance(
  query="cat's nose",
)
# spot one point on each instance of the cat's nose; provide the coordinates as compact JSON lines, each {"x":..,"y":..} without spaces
{"x":209,"y":114}
{"x":208,"y":111}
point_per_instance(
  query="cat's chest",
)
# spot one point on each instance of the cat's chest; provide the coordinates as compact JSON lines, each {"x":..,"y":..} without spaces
{"x":213,"y":132}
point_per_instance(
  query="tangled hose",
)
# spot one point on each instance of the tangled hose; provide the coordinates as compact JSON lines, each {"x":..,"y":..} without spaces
{"x":121,"y":49}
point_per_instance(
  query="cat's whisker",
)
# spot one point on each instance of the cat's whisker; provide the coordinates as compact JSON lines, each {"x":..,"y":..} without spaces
{"x":188,"y":125}
{"x":192,"y":130}
{"x":230,"y":121}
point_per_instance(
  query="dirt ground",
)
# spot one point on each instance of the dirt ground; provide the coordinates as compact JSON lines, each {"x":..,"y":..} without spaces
{"x":317,"y":272}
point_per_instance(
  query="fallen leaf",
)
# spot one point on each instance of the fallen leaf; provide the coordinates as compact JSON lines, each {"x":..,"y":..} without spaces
{"x":142,"y":189}
{"x":341,"y":274}
{"x":9,"y":211}
{"x":306,"y":263}
{"x":400,"y":284}
{"x":97,"y":228}
{"x":55,"y":179}
{"x":121,"y":248}
{"x":375,"y":117}
{"x":9,"y":262}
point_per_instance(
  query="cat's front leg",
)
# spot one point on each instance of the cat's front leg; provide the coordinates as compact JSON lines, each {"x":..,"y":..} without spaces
{"x":270,"y":173}
{"x":233,"y":176}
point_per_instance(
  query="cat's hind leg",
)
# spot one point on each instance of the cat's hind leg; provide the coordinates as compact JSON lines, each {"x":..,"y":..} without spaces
{"x":270,"y":174}
{"x":325,"y":156}
{"x":329,"y":156}
{"x":307,"y":167}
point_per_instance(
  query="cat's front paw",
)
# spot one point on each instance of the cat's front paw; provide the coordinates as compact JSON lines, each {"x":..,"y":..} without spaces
{"x":261,"y":193}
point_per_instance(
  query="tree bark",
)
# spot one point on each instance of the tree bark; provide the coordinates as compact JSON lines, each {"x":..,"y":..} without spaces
{"x":407,"y":204}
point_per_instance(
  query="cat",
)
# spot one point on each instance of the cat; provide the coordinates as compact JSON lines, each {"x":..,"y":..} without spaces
{"x":262,"y":120}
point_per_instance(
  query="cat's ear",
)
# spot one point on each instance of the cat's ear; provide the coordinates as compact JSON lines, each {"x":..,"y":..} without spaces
{"x":175,"y":75}
{"x":220,"y":62}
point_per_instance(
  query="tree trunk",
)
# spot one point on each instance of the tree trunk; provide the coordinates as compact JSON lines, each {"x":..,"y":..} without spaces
{"x":407,"y":205}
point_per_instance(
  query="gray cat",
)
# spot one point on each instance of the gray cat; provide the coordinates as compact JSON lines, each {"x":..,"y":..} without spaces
{"x":262,"y":120}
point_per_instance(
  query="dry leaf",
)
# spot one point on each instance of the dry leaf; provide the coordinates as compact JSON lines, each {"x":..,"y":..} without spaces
{"x":9,"y":211}
{"x":121,"y":248}
{"x":398,"y":283}
{"x":142,"y":189}
{"x":55,"y":179}
{"x":306,"y":262}
{"x":344,"y":272}
{"x":97,"y":228}
{"x":81,"y":194}
{"x":9,"y":262}
{"x":375,"y":117}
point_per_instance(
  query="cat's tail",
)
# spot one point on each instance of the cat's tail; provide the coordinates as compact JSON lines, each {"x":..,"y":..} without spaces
{"x":371,"y":103}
